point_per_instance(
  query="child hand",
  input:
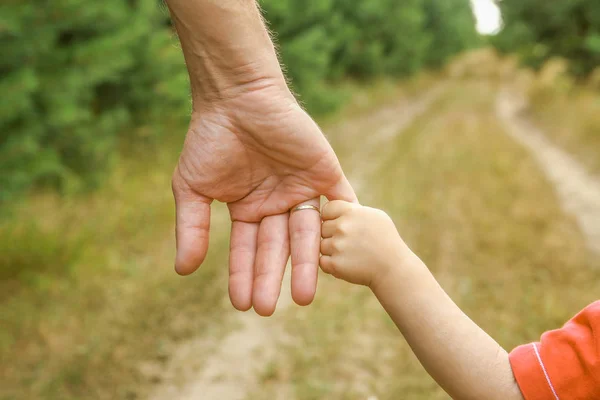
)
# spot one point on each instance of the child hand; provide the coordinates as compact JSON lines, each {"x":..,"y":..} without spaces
{"x":360,"y":244}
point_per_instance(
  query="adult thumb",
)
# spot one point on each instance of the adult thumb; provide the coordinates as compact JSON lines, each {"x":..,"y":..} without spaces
{"x":192,"y":227}
{"x":342,"y":190}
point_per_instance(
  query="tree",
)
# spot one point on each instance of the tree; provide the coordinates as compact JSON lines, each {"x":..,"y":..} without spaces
{"x":539,"y":30}
{"x":451,"y":25}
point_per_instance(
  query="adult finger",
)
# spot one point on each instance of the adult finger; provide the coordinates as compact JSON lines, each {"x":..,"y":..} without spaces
{"x":242,"y":254}
{"x":342,"y":191}
{"x":335,"y":209}
{"x":305,"y":237}
{"x":192,"y":227}
{"x":273,"y":251}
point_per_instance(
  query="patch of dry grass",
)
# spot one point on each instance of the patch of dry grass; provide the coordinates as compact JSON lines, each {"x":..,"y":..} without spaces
{"x":365,"y":100}
{"x":568,"y":111}
{"x":89,"y":289}
{"x":477,"y":209}
{"x":571,"y":118}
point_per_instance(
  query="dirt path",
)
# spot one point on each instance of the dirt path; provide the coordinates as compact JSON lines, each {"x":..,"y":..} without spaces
{"x":236,"y":361}
{"x":374,"y":130}
{"x":579,"y":191}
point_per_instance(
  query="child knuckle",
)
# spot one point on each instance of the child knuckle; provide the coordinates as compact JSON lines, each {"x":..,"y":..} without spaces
{"x":336,"y":245}
{"x":334,"y":269}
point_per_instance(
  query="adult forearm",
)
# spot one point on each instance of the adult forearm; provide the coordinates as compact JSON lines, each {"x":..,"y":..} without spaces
{"x":459,"y":355}
{"x":226,"y":45}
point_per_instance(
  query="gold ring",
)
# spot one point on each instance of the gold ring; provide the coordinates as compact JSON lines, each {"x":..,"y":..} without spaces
{"x":306,"y":207}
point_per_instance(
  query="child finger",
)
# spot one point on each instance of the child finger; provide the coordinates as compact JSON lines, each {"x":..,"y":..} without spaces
{"x":326,"y":264}
{"x":327,"y":229}
{"x":334,"y":209}
{"x":327,"y":247}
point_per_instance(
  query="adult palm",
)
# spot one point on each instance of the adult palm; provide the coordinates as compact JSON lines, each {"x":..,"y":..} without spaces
{"x":260,"y":153}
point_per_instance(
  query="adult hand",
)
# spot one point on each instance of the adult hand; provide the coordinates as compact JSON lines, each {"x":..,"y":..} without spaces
{"x":250,"y":145}
{"x":259,"y":152}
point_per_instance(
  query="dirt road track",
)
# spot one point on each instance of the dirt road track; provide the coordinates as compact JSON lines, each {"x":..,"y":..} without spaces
{"x":578,"y":190}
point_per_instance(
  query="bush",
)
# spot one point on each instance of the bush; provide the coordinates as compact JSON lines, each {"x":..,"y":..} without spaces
{"x":324,"y":41}
{"x":79,"y":74}
{"x":540,"y":30}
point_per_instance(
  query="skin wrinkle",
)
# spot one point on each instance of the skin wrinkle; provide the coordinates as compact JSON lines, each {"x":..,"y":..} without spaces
{"x":267,"y":144}
{"x":282,"y":181}
{"x":219,"y":168}
{"x":251,"y":85}
{"x":268,"y":197}
{"x":274,"y":119}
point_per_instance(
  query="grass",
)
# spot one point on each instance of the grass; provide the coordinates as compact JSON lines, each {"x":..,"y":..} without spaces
{"x":476,"y":208}
{"x":571,"y":119}
{"x":365,"y":99}
{"x":89,"y":290}
{"x":567,"y":111}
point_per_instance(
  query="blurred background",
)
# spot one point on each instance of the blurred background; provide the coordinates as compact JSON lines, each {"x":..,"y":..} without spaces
{"x":475,"y":124}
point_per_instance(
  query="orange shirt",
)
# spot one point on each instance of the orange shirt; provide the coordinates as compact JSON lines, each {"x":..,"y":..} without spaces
{"x":565,"y":364}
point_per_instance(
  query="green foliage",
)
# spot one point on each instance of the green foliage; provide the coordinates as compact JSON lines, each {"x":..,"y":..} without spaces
{"x":52,"y":254}
{"x":324,"y":41}
{"x":539,"y":30}
{"x":451,"y":25}
{"x":80,"y":76}
{"x":75,"y":76}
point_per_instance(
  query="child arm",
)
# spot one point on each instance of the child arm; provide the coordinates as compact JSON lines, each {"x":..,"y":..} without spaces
{"x":463,"y":359}
{"x":361,"y":245}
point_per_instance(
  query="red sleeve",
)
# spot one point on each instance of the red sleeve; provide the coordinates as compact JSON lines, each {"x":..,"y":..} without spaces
{"x":565,"y":364}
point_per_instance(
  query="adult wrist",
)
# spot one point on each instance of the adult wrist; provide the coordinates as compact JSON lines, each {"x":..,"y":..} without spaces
{"x":226,"y":46}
